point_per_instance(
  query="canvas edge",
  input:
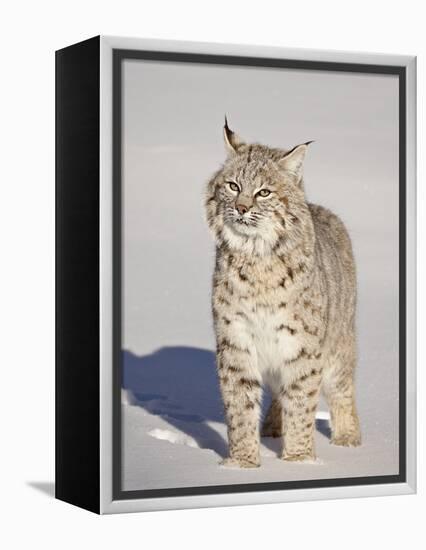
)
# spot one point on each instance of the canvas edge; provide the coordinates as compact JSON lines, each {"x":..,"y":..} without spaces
{"x":77,"y":433}
{"x":411,"y":271}
{"x":252,"y":50}
{"x":107,"y":504}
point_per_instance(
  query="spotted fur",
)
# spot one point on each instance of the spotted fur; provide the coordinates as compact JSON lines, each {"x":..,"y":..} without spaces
{"x":284,"y":296}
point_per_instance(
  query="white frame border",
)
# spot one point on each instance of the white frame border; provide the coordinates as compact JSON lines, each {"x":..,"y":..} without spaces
{"x":107,"y":504}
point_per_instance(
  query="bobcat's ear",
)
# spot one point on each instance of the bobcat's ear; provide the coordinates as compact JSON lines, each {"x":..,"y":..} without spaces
{"x":232,"y":141}
{"x":293,"y":160}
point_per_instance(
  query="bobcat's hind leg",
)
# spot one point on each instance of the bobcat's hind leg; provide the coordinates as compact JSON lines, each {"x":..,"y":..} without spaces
{"x":273,"y":423}
{"x":339,"y":391}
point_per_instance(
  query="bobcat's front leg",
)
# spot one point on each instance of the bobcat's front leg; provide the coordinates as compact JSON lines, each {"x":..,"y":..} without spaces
{"x":241,"y":394}
{"x":300,"y":398}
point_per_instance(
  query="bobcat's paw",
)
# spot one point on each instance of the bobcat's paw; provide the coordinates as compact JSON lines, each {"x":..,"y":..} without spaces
{"x":240,"y":463}
{"x":347,"y":440}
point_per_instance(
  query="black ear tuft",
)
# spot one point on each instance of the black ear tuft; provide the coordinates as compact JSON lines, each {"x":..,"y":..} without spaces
{"x":232,"y":140}
{"x":228,"y":132}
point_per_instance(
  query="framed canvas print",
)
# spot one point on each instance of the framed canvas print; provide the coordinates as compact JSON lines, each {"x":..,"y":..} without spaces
{"x":235,"y":274}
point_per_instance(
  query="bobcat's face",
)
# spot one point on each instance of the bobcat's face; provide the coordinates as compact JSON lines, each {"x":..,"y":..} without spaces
{"x":252,"y":196}
{"x":257,"y":195}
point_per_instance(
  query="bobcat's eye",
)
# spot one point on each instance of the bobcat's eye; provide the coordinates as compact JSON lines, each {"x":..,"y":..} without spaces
{"x":233,"y":186}
{"x":264,"y":193}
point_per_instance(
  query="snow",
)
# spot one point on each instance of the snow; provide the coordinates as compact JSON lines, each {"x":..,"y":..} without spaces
{"x":174,"y":437}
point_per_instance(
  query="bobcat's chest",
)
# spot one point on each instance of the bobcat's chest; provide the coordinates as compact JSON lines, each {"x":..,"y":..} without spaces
{"x":260,"y":294}
{"x":275,"y":339}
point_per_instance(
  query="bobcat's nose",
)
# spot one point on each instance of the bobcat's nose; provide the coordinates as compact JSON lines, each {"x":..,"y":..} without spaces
{"x":242,"y":208}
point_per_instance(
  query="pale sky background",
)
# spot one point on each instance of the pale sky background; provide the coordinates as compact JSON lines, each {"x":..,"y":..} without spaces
{"x":173,"y":116}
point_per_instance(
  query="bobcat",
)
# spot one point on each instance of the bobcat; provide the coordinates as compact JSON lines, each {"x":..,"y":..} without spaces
{"x":284,"y":300}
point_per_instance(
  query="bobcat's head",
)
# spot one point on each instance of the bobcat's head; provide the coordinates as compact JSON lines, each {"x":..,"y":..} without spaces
{"x":257,"y":198}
